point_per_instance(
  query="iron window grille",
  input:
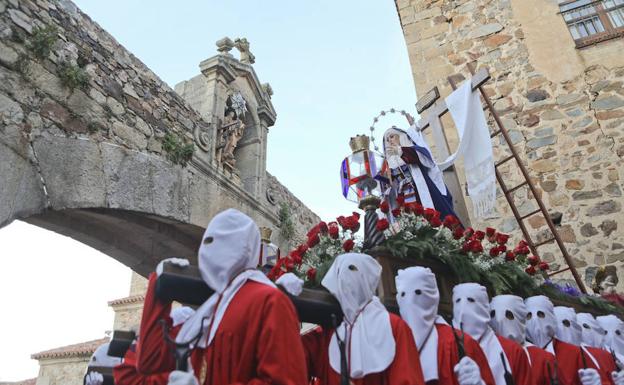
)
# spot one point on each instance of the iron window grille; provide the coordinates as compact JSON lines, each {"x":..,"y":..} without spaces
{"x":593,"y":21}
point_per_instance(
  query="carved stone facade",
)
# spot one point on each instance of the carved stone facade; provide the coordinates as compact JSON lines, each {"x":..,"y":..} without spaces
{"x":563,"y":106}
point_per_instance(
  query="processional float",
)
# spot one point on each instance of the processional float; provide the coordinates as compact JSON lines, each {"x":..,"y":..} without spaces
{"x":316,"y":305}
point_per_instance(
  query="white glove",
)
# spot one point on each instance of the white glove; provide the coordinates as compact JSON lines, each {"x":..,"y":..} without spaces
{"x":182,"y":262}
{"x":467,"y":372}
{"x":589,"y":377}
{"x":292,"y":283}
{"x":94,"y":378}
{"x":179,"y":315}
{"x":178,"y":377}
{"x":618,"y":378}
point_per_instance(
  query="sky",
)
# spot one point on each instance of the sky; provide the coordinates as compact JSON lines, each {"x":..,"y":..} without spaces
{"x":333,"y":66}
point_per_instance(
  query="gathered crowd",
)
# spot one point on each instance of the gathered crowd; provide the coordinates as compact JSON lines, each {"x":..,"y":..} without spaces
{"x":248,"y":331}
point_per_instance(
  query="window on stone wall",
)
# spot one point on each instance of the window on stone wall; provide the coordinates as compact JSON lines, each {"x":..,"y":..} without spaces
{"x":591,"y":21}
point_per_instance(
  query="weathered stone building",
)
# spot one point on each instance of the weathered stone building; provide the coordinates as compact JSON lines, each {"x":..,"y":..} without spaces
{"x":562,"y":100}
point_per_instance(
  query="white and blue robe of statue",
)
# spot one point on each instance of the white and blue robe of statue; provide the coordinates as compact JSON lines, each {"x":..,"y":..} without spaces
{"x":415,"y":175}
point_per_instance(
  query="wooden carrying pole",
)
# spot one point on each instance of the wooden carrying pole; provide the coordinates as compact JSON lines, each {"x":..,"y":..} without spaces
{"x":433,"y":120}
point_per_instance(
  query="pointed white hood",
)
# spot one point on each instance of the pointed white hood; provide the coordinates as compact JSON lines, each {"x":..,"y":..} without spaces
{"x":614,"y":336}
{"x":541,"y":324}
{"x":508,"y":313}
{"x":592,"y":334}
{"x":568,"y":329}
{"x":227,"y":257}
{"x":101,"y":358}
{"x":231,"y":244}
{"x":418,"y":298}
{"x":471,"y":311}
{"x":366,"y":329}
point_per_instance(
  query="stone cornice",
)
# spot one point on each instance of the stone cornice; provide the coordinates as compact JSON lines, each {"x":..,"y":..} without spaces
{"x":83,"y":349}
{"x":127,"y":300}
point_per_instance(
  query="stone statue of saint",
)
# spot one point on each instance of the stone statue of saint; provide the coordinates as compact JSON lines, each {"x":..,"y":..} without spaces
{"x":230,"y":134}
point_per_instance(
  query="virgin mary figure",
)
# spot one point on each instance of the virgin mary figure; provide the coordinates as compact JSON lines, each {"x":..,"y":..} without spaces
{"x":411,"y":172}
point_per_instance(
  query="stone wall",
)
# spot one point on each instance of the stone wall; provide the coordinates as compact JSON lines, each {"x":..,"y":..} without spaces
{"x":564,"y":108}
{"x":63,"y":371}
{"x":83,"y":127}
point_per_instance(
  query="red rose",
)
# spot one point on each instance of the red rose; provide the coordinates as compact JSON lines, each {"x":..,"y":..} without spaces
{"x":351,"y":223}
{"x":510,"y":256}
{"x":476,"y":246}
{"x":533,"y":260}
{"x":311,"y":273}
{"x":479,"y":235}
{"x":417,"y":208}
{"x":469,"y":232}
{"x":382,"y":224}
{"x":451,"y":222}
{"x":274,"y":273}
{"x":313,"y":231}
{"x":301,"y":249}
{"x":322,"y":227}
{"x":502,"y":239}
{"x":400,"y":200}
{"x":356,"y":215}
{"x":523,"y":243}
{"x":543,"y":266}
{"x":341,"y":220}
{"x":435,"y":222}
{"x":431,"y":213}
{"x":530,"y":270}
{"x":313,"y":240}
{"x":333,"y":230}
{"x":384,"y":207}
{"x":458,"y":233}
{"x":466,"y":247}
{"x":288,"y":263}
{"x":396,"y":212}
{"x":490,"y":232}
{"x":348,"y":245}
{"x":296,"y":257}
{"x":522,"y":250}
{"x":494,"y":252}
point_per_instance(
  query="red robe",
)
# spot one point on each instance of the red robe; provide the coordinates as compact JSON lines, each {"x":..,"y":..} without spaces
{"x":448,"y":357}
{"x":569,"y":361}
{"x":404,"y":370}
{"x":541,"y":360}
{"x":606,"y":363}
{"x":127,"y":374}
{"x":520,"y":368}
{"x":256,"y":343}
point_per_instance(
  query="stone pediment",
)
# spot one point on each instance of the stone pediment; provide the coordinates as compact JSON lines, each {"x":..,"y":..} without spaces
{"x":230,"y":69}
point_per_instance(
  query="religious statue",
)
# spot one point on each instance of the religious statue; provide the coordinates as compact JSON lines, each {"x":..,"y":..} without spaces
{"x":231,"y":131}
{"x":245,"y":54}
{"x":605,"y":283}
{"x":412,"y":174}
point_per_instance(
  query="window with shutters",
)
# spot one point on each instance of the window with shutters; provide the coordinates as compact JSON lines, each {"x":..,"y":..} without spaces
{"x":591,"y":21}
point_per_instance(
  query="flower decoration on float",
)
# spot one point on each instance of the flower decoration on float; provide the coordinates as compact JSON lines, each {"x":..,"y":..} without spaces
{"x":311,"y":259}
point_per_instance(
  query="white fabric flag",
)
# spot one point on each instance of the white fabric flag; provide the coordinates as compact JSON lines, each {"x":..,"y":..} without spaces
{"x":475,"y":146}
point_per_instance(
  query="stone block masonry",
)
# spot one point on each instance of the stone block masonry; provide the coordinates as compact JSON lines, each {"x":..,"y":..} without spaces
{"x":564,"y":107}
{"x":86,"y":134}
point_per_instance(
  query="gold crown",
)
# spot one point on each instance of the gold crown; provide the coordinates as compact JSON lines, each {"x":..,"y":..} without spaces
{"x":359,"y":143}
{"x":265,"y":234}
